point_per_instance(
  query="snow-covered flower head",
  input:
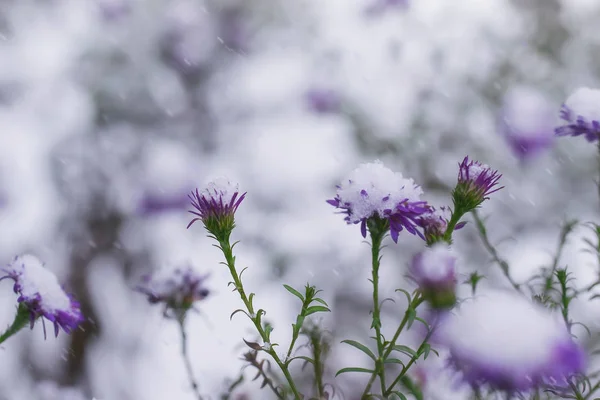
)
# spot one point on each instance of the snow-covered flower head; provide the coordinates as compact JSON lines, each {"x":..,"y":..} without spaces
{"x":476,"y":181}
{"x":527,"y":122}
{"x":41,"y":293}
{"x":581,"y":111}
{"x":434,"y":270}
{"x":177,"y":288}
{"x":503,"y":341}
{"x":372,"y":190}
{"x":216,"y":205}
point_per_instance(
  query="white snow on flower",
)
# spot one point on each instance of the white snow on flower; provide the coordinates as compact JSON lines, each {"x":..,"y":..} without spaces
{"x":527,"y":113}
{"x":476,"y":169}
{"x":221,"y":187}
{"x":34,"y":279}
{"x":436,"y":262}
{"x":503,"y":329}
{"x":384,"y":190}
{"x":585,"y":102}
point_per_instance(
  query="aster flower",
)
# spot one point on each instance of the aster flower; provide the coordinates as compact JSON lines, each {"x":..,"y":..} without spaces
{"x":372,"y":190}
{"x":216,"y":205}
{"x":504,"y":342}
{"x":527,"y":122}
{"x":41,"y":295}
{"x":154,"y":203}
{"x":323,"y":101}
{"x":434,"y":271}
{"x":581,"y":111}
{"x":476,"y":181}
{"x":178,"y":289}
{"x":434,"y":224}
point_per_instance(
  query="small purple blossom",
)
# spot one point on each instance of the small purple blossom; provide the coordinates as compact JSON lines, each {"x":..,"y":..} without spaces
{"x":40,"y":292}
{"x":581,"y":111}
{"x":177,"y":288}
{"x":527,"y":122}
{"x":216,"y":205}
{"x":476,"y":181}
{"x":435,"y":222}
{"x":502,"y":341}
{"x":154,"y":203}
{"x":374,"y":190}
{"x":323,"y":101}
{"x":434,"y":270}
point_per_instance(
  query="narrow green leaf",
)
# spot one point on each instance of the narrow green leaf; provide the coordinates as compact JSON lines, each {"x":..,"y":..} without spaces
{"x":361,"y":347}
{"x":354,"y":369}
{"x":405,"y":350}
{"x":412,"y":387}
{"x":315,"y":309}
{"x":393,"y":361}
{"x":321,"y":301}
{"x":399,"y":395}
{"x":294,"y":292}
{"x":237,"y":311}
{"x":305,"y":358}
{"x":425,"y":350}
{"x":408,"y":297}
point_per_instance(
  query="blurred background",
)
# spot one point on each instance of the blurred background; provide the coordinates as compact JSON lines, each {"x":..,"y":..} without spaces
{"x":111,"y":111}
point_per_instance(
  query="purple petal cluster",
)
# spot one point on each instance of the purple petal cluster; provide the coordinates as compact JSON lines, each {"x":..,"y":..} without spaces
{"x":39,"y":290}
{"x":372,"y":190}
{"x":476,"y":181}
{"x":177,"y":288}
{"x":154,"y":203}
{"x":323,"y":101}
{"x":504,"y":342}
{"x":581,"y":112}
{"x":218,"y":201}
{"x":527,"y":122}
{"x":435,"y":222}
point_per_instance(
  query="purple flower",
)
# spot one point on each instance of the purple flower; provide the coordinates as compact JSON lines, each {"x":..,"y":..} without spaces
{"x":40,"y":292}
{"x":152,"y":204}
{"x":476,"y":182}
{"x":434,"y":271}
{"x":503,"y":341}
{"x":216,"y":206}
{"x":372,"y":190}
{"x":581,"y":111}
{"x":434,"y":224}
{"x":177,"y":288}
{"x":323,"y":101}
{"x":527,"y":122}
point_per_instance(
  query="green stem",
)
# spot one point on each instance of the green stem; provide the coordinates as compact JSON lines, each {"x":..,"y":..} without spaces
{"x":316,"y":344}
{"x":456,"y":216}
{"x":408,"y":365}
{"x":227,"y":250}
{"x":566,"y":229}
{"x":492,"y":250}
{"x":414,"y":304}
{"x":20,"y":322}
{"x":377,"y":229}
{"x":186,"y":358}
